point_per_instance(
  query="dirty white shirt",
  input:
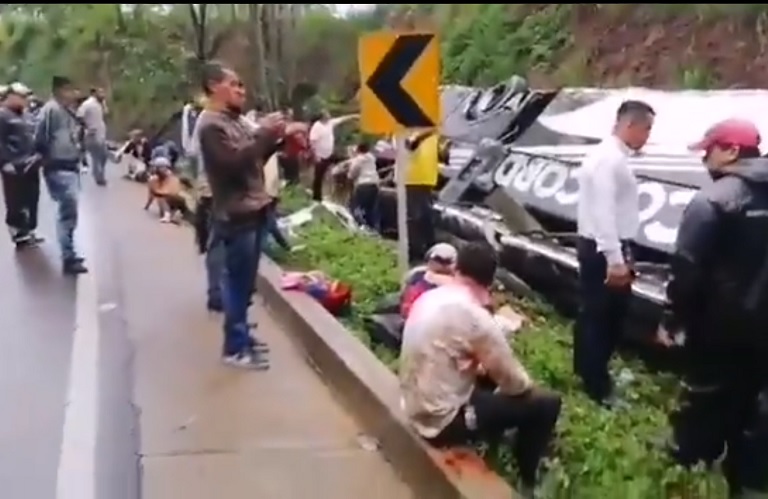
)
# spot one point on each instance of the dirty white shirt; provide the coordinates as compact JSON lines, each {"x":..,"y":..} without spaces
{"x":609,"y":209}
{"x":447,"y":337}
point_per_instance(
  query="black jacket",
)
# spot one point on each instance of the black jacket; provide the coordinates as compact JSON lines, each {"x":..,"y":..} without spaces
{"x":17,"y":146}
{"x":721,"y":258}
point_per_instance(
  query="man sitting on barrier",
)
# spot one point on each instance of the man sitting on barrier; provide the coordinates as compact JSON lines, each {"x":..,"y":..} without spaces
{"x":451,"y":342}
{"x":441,"y":261}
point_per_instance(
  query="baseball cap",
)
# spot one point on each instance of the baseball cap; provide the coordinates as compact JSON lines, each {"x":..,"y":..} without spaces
{"x":160,"y":162}
{"x":442,"y":253}
{"x":19,"y":88}
{"x":732,"y":132}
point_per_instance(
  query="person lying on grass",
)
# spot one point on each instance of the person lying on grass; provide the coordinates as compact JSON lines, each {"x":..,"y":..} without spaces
{"x":165,"y":189}
{"x":460,"y":380}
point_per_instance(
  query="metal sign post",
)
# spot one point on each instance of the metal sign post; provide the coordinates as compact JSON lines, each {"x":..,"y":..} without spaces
{"x":401,"y":174}
{"x":400,"y":93}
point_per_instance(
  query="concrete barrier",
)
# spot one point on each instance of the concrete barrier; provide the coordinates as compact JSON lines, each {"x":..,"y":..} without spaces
{"x":369,"y":390}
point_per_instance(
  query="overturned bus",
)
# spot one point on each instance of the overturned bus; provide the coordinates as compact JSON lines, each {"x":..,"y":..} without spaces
{"x":512,"y":179}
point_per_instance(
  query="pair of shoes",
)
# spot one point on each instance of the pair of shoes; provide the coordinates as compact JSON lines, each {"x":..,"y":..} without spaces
{"x":29,"y":240}
{"x":248,"y":359}
{"x":75,"y":266}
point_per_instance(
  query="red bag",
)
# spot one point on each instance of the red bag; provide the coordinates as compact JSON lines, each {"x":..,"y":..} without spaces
{"x":338,"y":298}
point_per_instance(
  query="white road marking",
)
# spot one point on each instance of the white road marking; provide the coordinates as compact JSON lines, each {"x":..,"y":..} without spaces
{"x":76,"y":474}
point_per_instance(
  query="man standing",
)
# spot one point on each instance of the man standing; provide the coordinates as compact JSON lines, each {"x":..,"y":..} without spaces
{"x":608,"y":220}
{"x":233,"y":157}
{"x":718,"y":301}
{"x":20,"y":167}
{"x":322,"y":141}
{"x":92,"y":112}
{"x":420,"y":182}
{"x":56,"y":139}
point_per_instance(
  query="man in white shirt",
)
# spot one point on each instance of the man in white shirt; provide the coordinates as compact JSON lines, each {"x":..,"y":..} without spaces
{"x":323,"y":142}
{"x":452,"y":350}
{"x":92,"y":112}
{"x":608,"y":221}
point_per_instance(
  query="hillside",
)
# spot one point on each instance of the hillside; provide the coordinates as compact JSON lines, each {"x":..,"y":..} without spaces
{"x":147,"y":55}
{"x":690,"y":46}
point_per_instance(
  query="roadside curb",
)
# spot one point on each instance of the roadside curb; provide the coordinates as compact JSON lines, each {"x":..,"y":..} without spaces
{"x":370,"y":391}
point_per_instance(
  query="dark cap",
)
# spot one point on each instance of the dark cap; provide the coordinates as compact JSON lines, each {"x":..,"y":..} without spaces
{"x":732,"y":132}
{"x":60,"y":81}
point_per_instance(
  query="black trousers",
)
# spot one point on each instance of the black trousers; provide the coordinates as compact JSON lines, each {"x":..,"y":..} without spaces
{"x":723,"y":411}
{"x":22,"y":195}
{"x":421,"y":225}
{"x":321,"y":169}
{"x":533,"y":414}
{"x":600,"y":323}
{"x":290,"y":166}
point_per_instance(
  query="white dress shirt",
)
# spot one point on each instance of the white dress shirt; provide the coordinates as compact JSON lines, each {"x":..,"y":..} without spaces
{"x":608,"y":210}
{"x":322,"y":140}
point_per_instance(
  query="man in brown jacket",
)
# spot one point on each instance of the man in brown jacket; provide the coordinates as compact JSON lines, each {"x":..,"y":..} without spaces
{"x":233,"y":154}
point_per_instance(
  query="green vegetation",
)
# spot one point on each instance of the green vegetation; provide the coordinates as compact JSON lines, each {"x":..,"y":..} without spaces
{"x":495,"y":43}
{"x":147,"y":55}
{"x":600,"y":453}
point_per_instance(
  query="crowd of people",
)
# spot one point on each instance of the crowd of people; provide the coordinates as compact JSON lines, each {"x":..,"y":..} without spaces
{"x":460,"y":379}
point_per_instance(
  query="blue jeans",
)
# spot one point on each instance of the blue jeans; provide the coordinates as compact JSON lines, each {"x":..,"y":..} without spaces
{"x":64,"y":188}
{"x":98,"y":153}
{"x":273,"y":231}
{"x":242,"y":252}
{"x":214,"y":266}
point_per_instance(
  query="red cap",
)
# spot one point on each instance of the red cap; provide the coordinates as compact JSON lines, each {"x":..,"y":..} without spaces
{"x":733,"y":132}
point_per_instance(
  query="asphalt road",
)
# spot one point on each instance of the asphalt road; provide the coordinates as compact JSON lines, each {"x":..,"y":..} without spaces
{"x":42,"y":312}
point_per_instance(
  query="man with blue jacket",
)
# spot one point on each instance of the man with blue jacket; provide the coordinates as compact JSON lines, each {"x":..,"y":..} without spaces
{"x":57,"y":139}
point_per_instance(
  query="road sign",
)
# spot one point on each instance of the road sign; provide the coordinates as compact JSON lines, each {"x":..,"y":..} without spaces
{"x":400,"y":81}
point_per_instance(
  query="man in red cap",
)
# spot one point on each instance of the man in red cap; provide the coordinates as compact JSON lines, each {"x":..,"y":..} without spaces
{"x":718,"y":302}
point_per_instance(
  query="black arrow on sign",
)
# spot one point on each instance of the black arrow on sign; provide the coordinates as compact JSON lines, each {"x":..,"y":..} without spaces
{"x":386,"y":81}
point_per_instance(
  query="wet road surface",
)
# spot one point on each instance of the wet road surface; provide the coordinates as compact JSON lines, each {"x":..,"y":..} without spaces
{"x":145,"y":409}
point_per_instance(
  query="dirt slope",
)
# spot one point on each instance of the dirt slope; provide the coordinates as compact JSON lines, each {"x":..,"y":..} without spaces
{"x":694,"y":46}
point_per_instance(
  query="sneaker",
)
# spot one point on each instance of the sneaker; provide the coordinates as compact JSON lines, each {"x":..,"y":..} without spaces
{"x":24,"y":241}
{"x":215,"y":306}
{"x":247,"y":359}
{"x":165,"y":219}
{"x":75,"y":266}
{"x":259,"y":346}
{"x":37,"y":239}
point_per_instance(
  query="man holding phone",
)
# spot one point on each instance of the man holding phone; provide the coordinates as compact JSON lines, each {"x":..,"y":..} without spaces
{"x":608,"y":221}
{"x":233,"y":156}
